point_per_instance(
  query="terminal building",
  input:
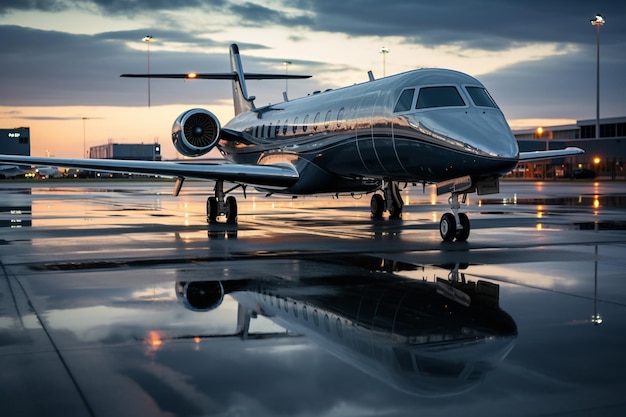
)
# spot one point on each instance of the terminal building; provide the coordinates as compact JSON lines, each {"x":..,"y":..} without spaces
{"x":127,"y":151}
{"x":604,"y":156}
{"x":15,"y":141}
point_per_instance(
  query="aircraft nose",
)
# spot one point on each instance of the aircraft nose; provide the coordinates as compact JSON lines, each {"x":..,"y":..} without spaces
{"x":478,"y":131}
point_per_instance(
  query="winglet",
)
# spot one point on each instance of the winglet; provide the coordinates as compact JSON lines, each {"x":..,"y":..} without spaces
{"x":551,"y":154}
{"x":242,"y":101}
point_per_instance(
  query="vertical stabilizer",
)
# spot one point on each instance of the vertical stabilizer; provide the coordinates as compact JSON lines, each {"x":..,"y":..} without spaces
{"x":242,"y":101}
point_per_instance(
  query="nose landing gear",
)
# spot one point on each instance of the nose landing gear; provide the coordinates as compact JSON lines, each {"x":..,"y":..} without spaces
{"x":454,"y":225}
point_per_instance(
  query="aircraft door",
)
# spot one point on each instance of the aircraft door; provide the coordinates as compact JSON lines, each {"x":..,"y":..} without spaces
{"x":364,"y":138}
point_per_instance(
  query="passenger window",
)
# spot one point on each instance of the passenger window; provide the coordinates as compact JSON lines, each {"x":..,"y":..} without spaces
{"x":481,"y":97}
{"x":285,"y":126}
{"x":305,"y":122}
{"x":340,"y":117}
{"x":316,"y":120}
{"x":269,"y":130}
{"x":446,"y":96}
{"x":277,"y":128}
{"x":294,"y":128}
{"x":405,"y":101}
{"x":327,"y":118}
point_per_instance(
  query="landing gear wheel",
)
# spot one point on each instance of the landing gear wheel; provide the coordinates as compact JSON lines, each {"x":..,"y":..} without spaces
{"x":447,"y":227}
{"x":395,"y":211}
{"x":211,"y":209}
{"x":377,"y":206}
{"x":463,"y":234}
{"x":231,"y":210}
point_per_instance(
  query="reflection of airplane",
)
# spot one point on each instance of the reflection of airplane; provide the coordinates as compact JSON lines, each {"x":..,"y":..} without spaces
{"x":427,"y":126}
{"x":425,"y":338}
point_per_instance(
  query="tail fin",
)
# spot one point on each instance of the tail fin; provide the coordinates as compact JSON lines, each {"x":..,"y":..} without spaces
{"x":242,"y":101}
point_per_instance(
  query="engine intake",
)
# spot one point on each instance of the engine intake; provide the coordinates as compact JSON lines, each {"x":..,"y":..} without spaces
{"x":200,"y":295}
{"x":195,"y":132}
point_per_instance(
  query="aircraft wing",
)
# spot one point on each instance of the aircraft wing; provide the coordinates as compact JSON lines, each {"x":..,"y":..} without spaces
{"x":264,"y":175}
{"x":544,"y":155}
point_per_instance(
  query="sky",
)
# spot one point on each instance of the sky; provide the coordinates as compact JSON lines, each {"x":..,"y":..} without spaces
{"x":61,"y":59}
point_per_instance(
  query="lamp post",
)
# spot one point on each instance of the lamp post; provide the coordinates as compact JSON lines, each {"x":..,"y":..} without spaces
{"x":147,"y":39}
{"x":597,"y":22}
{"x":84,"y":138}
{"x":384,"y":51}
{"x":286,"y":64}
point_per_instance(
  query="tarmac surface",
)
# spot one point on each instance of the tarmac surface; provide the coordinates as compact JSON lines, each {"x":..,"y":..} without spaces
{"x":118,"y":299}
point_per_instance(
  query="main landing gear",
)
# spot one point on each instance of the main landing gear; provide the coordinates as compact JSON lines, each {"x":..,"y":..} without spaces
{"x":391,"y":202}
{"x":219,"y":206}
{"x":454,"y":225}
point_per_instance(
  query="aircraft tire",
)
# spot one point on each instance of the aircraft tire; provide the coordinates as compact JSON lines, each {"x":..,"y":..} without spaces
{"x":463,"y":234}
{"x":211,"y":209}
{"x":377,"y":206}
{"x":396,"y":211}
{"x":447,"y":227}
{"x":231,"y":209}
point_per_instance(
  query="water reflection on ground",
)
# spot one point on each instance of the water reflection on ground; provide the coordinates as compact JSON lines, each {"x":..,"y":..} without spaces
{"x":106,"y":309}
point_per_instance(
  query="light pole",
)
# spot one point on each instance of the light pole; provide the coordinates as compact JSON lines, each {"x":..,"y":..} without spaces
{"x":597,"y":22}
{"x":84,"y":138}
{"x":384,"y":51}
{"x":286,"y":64}
{"x":147,"y":39}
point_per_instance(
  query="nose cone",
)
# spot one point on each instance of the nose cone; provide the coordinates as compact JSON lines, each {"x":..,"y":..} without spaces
{"x":483,"y":132}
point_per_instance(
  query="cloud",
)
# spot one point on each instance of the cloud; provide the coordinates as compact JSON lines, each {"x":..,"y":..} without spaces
{"x":488,"y":24}
{"x":111,"y":7}
{"x":252,"y":14}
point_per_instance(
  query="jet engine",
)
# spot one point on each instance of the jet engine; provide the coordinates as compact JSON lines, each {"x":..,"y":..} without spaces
{"x":195,"y":132}
{"x":200,"y":295}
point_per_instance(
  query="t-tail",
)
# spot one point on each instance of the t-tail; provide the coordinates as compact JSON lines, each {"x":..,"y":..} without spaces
{"x":242,"y":101}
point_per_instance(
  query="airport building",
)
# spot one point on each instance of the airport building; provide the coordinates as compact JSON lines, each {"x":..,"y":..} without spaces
{"x":604,"y":156}
{"x":15,"y":141}
{"x":149,"y":152}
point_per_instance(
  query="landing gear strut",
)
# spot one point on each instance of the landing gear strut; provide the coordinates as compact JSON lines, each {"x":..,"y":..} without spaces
{"x":391,"y":202}
{"x":454,"y":225}
{"x":218,"y":205}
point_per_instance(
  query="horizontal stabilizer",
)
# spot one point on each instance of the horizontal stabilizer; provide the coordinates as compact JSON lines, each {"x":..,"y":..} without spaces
{"x":545,"y":155}
{"x":219,"y":76}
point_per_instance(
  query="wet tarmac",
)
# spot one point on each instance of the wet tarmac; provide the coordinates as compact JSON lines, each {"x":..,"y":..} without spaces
{"x":117,"y":299}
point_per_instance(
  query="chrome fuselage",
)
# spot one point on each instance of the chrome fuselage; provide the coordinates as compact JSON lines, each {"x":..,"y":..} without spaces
{"x":340,"y":140}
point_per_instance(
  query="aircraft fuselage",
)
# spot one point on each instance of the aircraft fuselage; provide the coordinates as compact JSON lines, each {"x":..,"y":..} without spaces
{"x":381,"y":129}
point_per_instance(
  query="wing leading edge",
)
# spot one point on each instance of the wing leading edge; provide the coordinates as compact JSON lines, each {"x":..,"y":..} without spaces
{"x":545,"y":155}
{"x":263,"y":175}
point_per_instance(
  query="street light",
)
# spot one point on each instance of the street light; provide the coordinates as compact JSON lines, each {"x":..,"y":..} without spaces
{"x":597,"y":22}
{"x":147,"y":39}
{"x":384,"y":50}
{"x":286,"y":64}
{"x":84,"y":138}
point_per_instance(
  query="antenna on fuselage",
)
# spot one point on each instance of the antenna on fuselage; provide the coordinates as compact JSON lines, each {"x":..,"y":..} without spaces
{"x":370,"y":75}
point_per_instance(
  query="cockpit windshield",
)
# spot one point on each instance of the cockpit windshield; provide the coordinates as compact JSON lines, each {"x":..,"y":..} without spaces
{"x":443,"y":96}
{"x":481,"y":97}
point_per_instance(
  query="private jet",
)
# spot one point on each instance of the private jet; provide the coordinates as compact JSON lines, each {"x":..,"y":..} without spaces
{"x":426,"y":126}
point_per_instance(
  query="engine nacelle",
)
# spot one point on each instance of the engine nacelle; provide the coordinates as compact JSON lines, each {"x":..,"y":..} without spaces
{"x":200,"y":295}
{"x":195,"y":132}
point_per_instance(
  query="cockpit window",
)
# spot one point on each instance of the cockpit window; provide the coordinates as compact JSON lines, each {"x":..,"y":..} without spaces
{"x":481,"y":97}
{"x":405,"y":101}
{"x":445,"y":96}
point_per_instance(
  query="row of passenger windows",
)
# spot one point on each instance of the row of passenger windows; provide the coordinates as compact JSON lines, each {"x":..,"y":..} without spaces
{"x":285,"y":128}
{"x":282,"y":303}
{"x":442,"y":96}
{"x":427,"y":97}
